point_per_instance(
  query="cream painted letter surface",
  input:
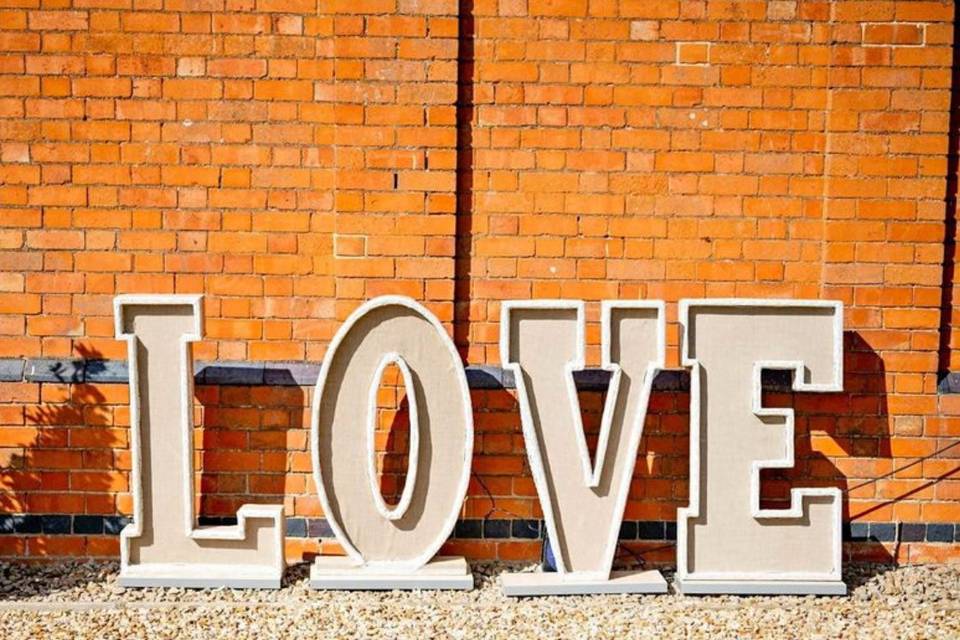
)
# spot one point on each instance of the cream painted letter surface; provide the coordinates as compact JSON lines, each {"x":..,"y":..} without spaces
{"x":726,"y":542}
{"x":542,"y":343}
{"x":392,"y":548}
{"x":162,"y":546}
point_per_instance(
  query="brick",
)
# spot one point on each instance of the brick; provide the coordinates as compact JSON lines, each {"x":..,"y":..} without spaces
{"x":150,"y":22}
{"x":283,"y":90}
{"x":57,"y":20}
{"x":236,"y":68}
{"x":102,"y":87}
{"x":893,"y":34}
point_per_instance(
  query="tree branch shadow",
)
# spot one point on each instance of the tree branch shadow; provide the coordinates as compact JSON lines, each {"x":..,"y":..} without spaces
{"x":62,"y":484}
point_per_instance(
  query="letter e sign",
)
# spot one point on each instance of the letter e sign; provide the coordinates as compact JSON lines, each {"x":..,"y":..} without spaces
{"x":726,"y":542}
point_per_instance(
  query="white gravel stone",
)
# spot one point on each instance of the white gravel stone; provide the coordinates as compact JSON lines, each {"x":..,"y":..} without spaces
{"x":83,"y":600}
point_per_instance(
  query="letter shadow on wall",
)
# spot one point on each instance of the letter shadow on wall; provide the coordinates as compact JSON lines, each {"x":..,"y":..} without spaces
{"x":852,"y":452}
{"x":392,"y":436}
{"x":251,"y":445}
{"x":842,"y":440}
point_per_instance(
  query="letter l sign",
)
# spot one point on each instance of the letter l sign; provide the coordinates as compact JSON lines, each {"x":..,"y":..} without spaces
{"x":162,"y":546}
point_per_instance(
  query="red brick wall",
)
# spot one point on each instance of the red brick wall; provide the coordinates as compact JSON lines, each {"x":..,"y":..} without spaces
{"x":291,"y":159}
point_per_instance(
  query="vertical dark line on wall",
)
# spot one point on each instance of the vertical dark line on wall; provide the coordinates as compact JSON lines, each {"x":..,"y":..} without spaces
{"x":464,"y":237}
{"x":827,"y":148}
{"x":950,"y":206}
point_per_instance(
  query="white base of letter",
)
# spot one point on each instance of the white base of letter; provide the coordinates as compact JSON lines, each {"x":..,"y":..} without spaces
{"x":214,"y":575}
{"x":762,"y":587}
{"x":340,"y":572}
{"x":557,"y":584}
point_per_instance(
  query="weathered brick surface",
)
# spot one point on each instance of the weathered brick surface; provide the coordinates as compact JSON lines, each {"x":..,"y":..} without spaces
{"x":290,"y":160}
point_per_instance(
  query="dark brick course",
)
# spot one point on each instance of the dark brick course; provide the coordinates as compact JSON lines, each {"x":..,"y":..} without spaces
{"x":467,"y":529}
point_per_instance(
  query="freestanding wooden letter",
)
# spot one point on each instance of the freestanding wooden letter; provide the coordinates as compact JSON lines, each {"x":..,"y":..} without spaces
{"x":542,"y":343}
{"x":162,"y":546}
{"x":727,"y":543}
{"x":392,"y":548}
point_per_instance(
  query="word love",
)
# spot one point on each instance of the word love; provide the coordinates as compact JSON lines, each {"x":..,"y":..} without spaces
{"x":727,"y":543}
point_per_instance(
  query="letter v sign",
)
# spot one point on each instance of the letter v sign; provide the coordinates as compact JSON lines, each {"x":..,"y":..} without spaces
{"x":542,"y":343}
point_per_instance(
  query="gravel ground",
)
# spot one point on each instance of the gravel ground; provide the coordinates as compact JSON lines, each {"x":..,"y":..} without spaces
{"x":82,"y":600}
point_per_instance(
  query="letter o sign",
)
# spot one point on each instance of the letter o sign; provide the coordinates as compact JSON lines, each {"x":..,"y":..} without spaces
{"x":391,"y":548}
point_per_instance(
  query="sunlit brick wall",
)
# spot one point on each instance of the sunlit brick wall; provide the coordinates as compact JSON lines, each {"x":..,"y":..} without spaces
{"x":292,"y":159}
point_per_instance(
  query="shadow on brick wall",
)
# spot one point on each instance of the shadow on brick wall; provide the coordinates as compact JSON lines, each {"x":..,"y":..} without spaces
{"x":252,"y":442}
{"x":842,"y":440}
{"x":66,"y":473}
{"x":950,"y":208}
{"x":392,"y":441}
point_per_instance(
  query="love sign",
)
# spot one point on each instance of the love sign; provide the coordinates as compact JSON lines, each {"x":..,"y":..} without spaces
{"x":727,"y":543}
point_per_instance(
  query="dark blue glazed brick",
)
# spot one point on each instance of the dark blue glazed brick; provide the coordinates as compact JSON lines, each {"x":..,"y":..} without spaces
{"x":113,"y":525}
{"x":11,"y":369}
{"x":319,"y":528}
{"x":216,"y":521}
{"x":106,"y":371}
{"x":651,"y":530}
{"x":229,"y":373}
{"x":777,"y":380}
{"x":484,"y":377}
{"x":912,"y":532}
{"x":667,"y":380}
{"x":88,"y":525}
{"x":291,"y":374}
{"x":27,"y":524}
{"x":7,"y":524}
{"x":548,"y":561}
{"x":55,"y":524}
{"x":525,"y":529}
{"x":883,"y":531}
{"x":670,"y":531}
{"x":858,"y":530}
{"x":53,"y":370}
{"x":940,"y":533}
{"x":628,"y":530}
{"x":496,"y":528}
{"x":468,"y":529}
{"x":296,"y":527}
{"x":592,"y":379}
